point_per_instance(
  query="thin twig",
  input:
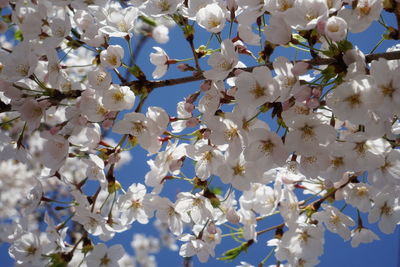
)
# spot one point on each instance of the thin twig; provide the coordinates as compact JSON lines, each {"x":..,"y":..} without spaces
{"x":395,"y":55}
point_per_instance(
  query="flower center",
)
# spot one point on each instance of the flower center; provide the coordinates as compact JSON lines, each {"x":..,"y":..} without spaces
{"x":238,"y":169}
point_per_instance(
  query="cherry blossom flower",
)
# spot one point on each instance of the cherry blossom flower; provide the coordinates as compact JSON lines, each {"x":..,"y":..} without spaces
{"x":160,"y":60}
{"x":335,"y":221}
{"x":222,"y":62}
{"x":103,"y":256}
{"x":362,"y":235}
{"x":211,"y":17}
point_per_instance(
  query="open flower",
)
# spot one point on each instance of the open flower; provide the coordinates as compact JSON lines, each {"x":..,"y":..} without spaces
{"x":222,"y":62}
{"x":161,"y":60}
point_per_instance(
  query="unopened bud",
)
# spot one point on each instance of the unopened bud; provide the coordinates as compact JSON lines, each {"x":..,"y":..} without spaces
{"x":205,"y":86}
{"x":232,"y":91}
{"x":192,"y":122}
{"x":302,"y":93}
{"x":300,"y":68}
{"x":312,"y":103}
{"x":232,"y":216}
{"x":211,"y":228}
{"x":321,"y":26}
{"x":107,"y":124}
{"x":183,"y":67}
{"x":189,"y":107}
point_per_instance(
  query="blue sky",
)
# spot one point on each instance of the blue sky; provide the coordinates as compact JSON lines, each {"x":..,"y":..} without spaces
{"x":384,"y":252}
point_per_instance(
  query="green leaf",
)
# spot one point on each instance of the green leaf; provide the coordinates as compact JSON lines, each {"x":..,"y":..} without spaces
{"x":299,"y":38}
{"x":18,"y":35}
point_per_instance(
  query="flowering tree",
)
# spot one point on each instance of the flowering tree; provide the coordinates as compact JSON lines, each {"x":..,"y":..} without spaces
{"x":309,"y":141}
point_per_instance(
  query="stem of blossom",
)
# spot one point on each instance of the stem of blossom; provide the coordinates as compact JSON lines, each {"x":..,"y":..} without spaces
{"x":21,"y":136}
{"x":316,"y":204}
{"x":55,"y":201}
{"x":94,"y":198}
{"x":378,"y":44}
{"x":9,"y":121}
{"x":231,"y":234}
{"x":196,"y":58}
{"x":200,"y":235}
{"x":61,"y":226}
{"x":266,"y":216}
{"x":266,"y":258}
{"x":120,"y":77}
{"x":270,"y":229}
{"x":77,"y":243}
{"x":344,"y":206}
{"x":359,"y":220}
{"x":104,"y":202}
{"x":187,"y":262}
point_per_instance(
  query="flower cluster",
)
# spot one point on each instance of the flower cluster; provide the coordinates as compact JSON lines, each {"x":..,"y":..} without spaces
{"x":294,"y":139}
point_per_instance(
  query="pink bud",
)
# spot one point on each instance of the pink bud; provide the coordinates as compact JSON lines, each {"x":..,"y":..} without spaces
{"x":206,"y":134}
{"x":176,"y":165}
{"x":44,"y":104}
{"x":107,"y":124}
{"x":114,"y":158}
{"x":316,"y":92}
{"x":286,"y":105}
{"x":237,"y":72}
{"x":302,"y":93}
{"x":300,"y":68}
{"x":231,"y":5}
{"x":328,"y":183}
{"x":54,"y":130}
{"x":205,"y":86}
{"x":211,"y":228}
{"x":232,"y":216}
{"x":189,"y":107}
{"x":232,"y":91}
{"x":192,"y":122}
{"x":111,"y":115}
{"x":321,"y":26}
{"x":312,"y":103}
{"x":82,"y":121}
{"x":183,"y":67}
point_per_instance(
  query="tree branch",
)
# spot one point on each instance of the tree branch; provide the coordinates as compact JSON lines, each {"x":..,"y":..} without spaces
{"x":314,"y":62}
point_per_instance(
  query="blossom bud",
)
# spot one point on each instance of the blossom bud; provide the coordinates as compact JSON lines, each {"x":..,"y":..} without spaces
{"x":312,"y":103}
{"x":300,"y":68}
{"x":205,"y":86}
{"x":286,"y":105}
{"x":231,"y":5}
{"x":237,"y":72}
{"x":302,"y":93}
{"x":206,"y":134}
{"x":232,"y":91}
{"x":107,"y":124}
{"x":189,"y":107}
{"x":316,"y":92}
{"x":192,"y":122}
{"x":336,"y":29}
{"x":54,"y":130}
{"x":183,"y":67}
{"x":211,"y":228}
{"x":232,"y":216}
{"x":176,"y":164}
{"x":321,"y":27}
{"x":114,"y":158}
{"x":160,"y":34}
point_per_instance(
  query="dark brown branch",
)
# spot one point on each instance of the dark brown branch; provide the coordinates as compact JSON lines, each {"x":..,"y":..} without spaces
{"x":4,"y":107}
{"x":314,"y":62}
